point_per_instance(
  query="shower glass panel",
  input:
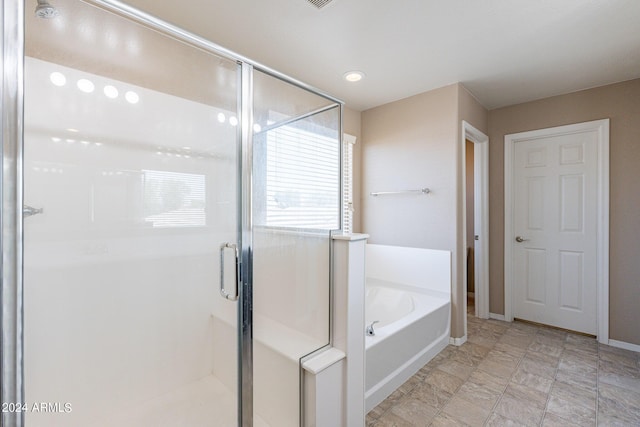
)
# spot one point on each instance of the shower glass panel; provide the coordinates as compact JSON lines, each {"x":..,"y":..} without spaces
{"x":131,"y":163}
{"x":296,"y":204}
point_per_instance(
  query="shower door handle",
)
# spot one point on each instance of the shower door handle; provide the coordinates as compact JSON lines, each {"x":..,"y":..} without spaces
{"x":223,"y":290}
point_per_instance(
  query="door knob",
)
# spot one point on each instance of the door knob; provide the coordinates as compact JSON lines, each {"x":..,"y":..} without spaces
{"x":521,"y":239}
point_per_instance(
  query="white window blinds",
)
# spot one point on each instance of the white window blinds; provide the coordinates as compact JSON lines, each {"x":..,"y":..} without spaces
{"x":174,"y":199}
{"x":302,"y":179}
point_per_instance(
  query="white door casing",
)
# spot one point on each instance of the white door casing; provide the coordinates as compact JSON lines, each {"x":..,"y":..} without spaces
{"x":556,"y":200}
{"x":481,"y":227}
{"x":481,"y":218}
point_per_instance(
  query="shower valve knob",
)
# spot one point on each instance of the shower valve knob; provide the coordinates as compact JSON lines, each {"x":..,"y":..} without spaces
{"x":28,"y":211}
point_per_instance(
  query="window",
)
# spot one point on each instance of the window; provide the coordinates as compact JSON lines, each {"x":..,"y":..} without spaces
{"x":174,"y":199}
{"x":347,"y":182}
{"x":302,"y":177}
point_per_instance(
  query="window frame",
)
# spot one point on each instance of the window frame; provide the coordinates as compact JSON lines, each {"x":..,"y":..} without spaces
{"x":348,"y":143}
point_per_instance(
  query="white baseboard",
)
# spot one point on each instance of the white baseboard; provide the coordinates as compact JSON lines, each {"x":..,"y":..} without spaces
{"x":496,"y":316}
{"x":458,"y":341}
{"x":625,"y":345}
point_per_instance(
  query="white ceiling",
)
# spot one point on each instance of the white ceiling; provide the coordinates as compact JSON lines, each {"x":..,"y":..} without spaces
{"x":504,"y":51}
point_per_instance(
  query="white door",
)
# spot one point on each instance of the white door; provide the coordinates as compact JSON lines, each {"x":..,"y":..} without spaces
{"x":554,"y":196}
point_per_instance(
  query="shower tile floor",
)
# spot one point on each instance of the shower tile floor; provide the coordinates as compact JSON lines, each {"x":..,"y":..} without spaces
{"x":518,"y":374}
{"x":206,"y":402}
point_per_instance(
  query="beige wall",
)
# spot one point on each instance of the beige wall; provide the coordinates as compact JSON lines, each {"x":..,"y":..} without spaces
{"x":620,"y":103}
{"x":410,"y":144}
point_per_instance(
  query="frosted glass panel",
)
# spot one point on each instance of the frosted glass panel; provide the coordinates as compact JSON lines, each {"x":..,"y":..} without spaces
{"x":136,"y":173}
{"x":296,"y":204}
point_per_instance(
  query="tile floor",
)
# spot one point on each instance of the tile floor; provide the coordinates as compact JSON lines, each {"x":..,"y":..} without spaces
{"x":518,"y":374}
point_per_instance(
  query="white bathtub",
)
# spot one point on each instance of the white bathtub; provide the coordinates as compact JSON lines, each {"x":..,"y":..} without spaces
{"x":408,"y":293}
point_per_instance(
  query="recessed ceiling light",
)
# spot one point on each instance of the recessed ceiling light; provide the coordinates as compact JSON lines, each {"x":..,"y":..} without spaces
{"x":57,"y":78}
{"x":132,"y":97}
{"x":110,"y":91}
{"x":85,"y":85}
{"x":353,"y":76}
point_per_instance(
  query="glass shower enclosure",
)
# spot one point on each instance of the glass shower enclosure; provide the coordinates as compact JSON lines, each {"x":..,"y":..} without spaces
{"x":167,"y":208}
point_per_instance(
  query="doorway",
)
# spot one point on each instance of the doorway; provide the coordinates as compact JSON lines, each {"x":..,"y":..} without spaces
{"x":476,"y":224}
{"x":556,"y":227}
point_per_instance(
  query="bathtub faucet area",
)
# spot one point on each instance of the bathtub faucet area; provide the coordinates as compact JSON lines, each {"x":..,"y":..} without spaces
{"x":369,"y":330}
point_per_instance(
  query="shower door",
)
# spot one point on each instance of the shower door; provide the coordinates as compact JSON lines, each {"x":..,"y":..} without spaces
{"x":131,"y":177}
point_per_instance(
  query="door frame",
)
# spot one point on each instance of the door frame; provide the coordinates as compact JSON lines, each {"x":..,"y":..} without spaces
{"x":11,"y":205}
{"x":602,"y":217}
{"x":481,"y":216}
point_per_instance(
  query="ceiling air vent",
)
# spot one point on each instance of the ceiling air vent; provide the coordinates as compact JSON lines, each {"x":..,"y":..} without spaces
{"x":319,"y":3}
